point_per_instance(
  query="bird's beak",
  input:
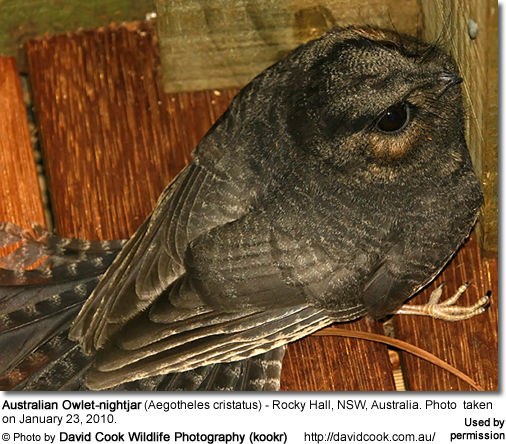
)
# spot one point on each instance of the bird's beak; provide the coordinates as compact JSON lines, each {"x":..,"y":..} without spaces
{"x":449,"y":78}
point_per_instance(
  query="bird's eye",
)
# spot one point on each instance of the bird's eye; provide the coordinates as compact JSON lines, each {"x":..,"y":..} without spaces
{"x":394,"y":118}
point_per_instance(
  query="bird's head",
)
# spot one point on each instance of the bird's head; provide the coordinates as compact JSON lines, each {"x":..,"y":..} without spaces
{"x":376,"y":103}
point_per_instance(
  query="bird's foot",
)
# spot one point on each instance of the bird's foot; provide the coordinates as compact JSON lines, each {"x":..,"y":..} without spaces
{"x":447,"y":310}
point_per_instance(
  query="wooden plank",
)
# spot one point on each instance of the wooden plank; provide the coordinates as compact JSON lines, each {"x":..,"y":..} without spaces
{"x":221,"y":44}
{"x":323,"y":363}
{"x":490,"y":147}
{"x":21,"y":20}
{"x":20,"y":198}
{"x":470,"y":345}
{"x":448,"y":22}
{"x":112,"y":140}
{"x":96,"y":104}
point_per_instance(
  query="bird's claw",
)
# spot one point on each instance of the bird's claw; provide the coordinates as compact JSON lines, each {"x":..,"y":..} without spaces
{"x":447,"y":310}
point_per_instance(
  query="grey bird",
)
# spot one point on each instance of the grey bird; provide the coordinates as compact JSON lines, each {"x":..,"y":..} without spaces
{"x":337,"y":184}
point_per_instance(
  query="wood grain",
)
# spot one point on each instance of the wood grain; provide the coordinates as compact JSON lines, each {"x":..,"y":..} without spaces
{"x":112,"y":140}
{"x":477,"y":58}
{"x":20,"y":200}
{"x":330,"y":363}
{"x":222,"y":44}
{"x":94,"y":102}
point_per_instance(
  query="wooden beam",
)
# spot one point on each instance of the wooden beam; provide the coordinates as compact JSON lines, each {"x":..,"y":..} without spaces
{"x":469,"y":31}
{"x":222,"y":44}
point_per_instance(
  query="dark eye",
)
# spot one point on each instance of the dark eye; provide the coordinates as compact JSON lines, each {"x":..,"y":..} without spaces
{"x":394,"y":118}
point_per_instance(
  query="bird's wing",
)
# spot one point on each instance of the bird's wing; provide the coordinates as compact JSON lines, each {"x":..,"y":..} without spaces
{"x":385,"y":291}
{"x":65,"y":371}
{"x":245,"y":291}
{"x":402,"y":272}
{"x":152,"y":259}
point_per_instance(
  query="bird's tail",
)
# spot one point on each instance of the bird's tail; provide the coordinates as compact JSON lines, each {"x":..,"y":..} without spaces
{"x":43,"y":284}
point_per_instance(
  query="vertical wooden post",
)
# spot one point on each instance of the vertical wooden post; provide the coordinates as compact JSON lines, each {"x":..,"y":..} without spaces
{"x":469,"y":31}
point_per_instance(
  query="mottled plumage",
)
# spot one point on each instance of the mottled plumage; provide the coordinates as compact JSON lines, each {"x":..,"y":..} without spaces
{"x":336,"y":185}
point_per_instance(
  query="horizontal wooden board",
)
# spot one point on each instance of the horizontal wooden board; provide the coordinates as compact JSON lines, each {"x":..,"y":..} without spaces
{"x":222,"y":44}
